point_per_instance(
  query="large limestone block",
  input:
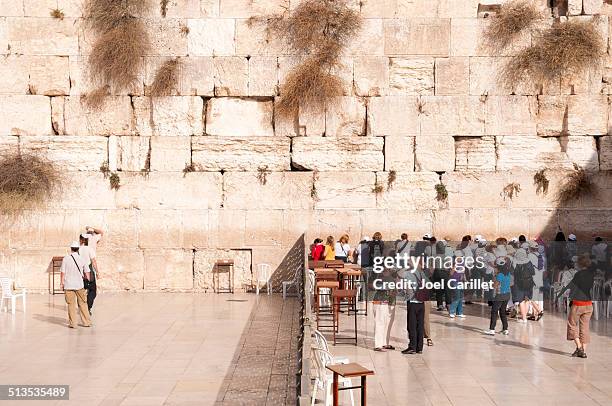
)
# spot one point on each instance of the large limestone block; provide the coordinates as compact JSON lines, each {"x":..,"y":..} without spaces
{"x":14,"y":74}
{"x":371,"y":75}
{"x":475,"y":154}
{"x":587,"y":115}
{"x":263,"y":76}
{"x":168,"y":270}
{"x":231,"y":76}
{"x":452,"y":76}
{"x":552,"y":115}
{"x":11,"y":8}
{"x":434,"y":154}
{"x":161,"y":190}
{"x":582,"y":151}
{"x":23,"y":232}
{"x":25,"y":115}
{"x":574,"y":7}
{"x":535,"y":153}
{"x":465,"y":37}
{"x":345,"y":116}
{"x":458,"y":9}
{"x":249,"y":8}
{"x":455,"y":223}
{"x":409,"y":191}
{"x":592,"y":6}
{"x":25,"y":74}
{"x":263,"y":190}
{"x":204,"y":263}
{"x":393,"y":115}
{"x":253,"y":39}
{"x":87,"y":190}
{"x":132,"y":153}
{"x":411,"y":8}
{"x":338,"y":154}
{"x":227,"y":228}
{"x":369,"y":39}
{"x":74,"y":153}
{"x":166,"y":37}
{"x":196,"y":76}
{"x":476,"y":189}
{"x":392,"y":222}
{"x":160,"y":229}
{"x":169,"y":116}
{"x":122,"y":269}
{"x":399,"y":153}
{"x":121,"y":228}
{"x":336,"y":223}
{"x":42,"y":36}
{"x":239,"y":117}
{"x":114,"y":118}
{"x":411,"y":76}
{"x":485,"y":76}
{"x":345,"y":190}
{"x":196,"y":228}
{"x":30,"y":268}
{"x":211,"y":37}
{"x":311,"y":121}
{"x":417,"y":36}
{"x":378,"y":8}
{"x":241,"y":154}
{"x":511,"y":115}
{"x":452,"y":115}
{"x":605,"y":153}
{"x":59,"y":228}
{"x":262,"y":228}
{"x":170,"y":154}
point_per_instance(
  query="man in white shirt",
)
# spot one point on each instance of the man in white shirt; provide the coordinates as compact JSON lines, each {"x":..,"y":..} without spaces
{"x":73,"y":270}
{"x":94,"y":236}
{"x":89,"y":257}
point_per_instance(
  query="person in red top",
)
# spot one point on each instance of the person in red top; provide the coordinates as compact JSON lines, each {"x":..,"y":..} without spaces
{"x":316,"y":252}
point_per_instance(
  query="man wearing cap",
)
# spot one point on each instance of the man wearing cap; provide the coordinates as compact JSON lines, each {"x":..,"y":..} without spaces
{"x":89,"y":258}
{"x":73,"y":271}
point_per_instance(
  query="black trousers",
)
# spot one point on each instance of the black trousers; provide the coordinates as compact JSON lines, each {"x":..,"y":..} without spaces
{"x":443,"y":294}
{"x":499,"y":307}
{"x":93,"y":290}
{"x":416,"y":325}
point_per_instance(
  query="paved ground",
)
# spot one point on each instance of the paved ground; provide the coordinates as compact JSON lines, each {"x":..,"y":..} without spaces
{"x":155,"y":349}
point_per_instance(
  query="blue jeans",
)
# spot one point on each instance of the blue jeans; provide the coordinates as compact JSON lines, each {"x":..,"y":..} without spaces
{"x":456,"y":306}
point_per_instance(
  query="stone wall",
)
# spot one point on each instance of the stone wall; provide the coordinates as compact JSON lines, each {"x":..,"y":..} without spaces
{"x":421,"y":105}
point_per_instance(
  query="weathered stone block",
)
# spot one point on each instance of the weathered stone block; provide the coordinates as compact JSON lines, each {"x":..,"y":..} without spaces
{"x":311,"y":121}
{"x":168,"y":270}
{"x":465,"y":37}
{"x":73,"y":153}
{"x":454,"y":9}
{"x":183,"y":9}
{"x":220,"y":221}
{"x":211,"y":37}
{"x":160,"y":229}
{"x":434,"y":154}
{"x":196,"y":228}
{"x":582,"y":151}
{"x":263,"y":79}
{"x":120,"y":269}
{"x":11,"y":8}
{"x":132,"y":153}
{"x":24,"y":74}
{"x":552,"y":115}
{"x":399,"y":153}
{"x":169,"y":116}
{"x":592,"y":6}
{"x":166,"y":37}
{"x":463,"y":115}
{"x":481,"y":189}
{"x":475,"y":154}
{"x":170,"y":190}
{"x":255,"y":117}
{"x":393,"y":115}
{"x":204,"y":262}
{"x":417,"y":37}
{"x":587,"y":115}
{"x":42,"y":36}
{"x":338,"y":154}
{"x":262,"y":228}
{"x":511,"y":115}
{"x":411,"y":76}
{"x":369,"y":40}
{"x":231,"y":76}
{"x":123,"y":225}
{"x":345,"y":190}
{"x":252,"y":39}
{"x":452,"y":76}
{"x":114,"y":117}
{"x":89,"y":191}
{"x":409,"y":191}
{"x":196,"y":76}
{"x":30,"y":267}
{"x":267,"y":190}
{"x":345,"y":116}
{"x":485,"y":76}
{"x":170,"y":154}
{"x":605,"y":153}
{"x":249,"y":8}
{"x":574,"y":7}
{"x":378,"y":8}
{"x":211,"y":153}
{"x":25,"y":115}
{"x":371,"y":75}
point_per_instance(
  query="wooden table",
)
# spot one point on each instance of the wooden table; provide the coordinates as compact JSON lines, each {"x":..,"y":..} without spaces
{"x":351,"y":370}
{"x":332,"y":286}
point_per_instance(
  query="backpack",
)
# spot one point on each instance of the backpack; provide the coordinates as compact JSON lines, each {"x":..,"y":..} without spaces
{"x":523,"y":276}
{"x":376,"y":250}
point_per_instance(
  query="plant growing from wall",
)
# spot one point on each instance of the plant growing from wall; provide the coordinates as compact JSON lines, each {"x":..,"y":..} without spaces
{"x":189,"y":168}
{"x":511,"y":190}
{"x":57,"y":13}
{"x":541,"y":182}
{"x":163,"y":7}
{"x":104,"y":168}
{"x":576,"y":184}
{"x":27,"y":181}
{"x":566,"y":49}
{"x":441,"y":192}
{"x":262,"y":175}
{"x":166,"y":78}
{"x":314,"y":194}
{"x":378,"y":188}
{"x":122,"y":39}
{"x":509,"y":22}
{"x":115,"y":181}
{"x":318,"y":31}
{"x":391,"y":179}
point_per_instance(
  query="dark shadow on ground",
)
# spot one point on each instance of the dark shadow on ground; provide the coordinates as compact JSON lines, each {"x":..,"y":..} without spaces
{"x":51,"y":319}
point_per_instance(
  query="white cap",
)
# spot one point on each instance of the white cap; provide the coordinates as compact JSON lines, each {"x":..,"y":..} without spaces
{"x":85,"y":236}
{"x":427,"y":236}
{"x":572,"y":237}
{"x":478,"y":238}
{"x":525,"y":245}
{"x":366,"y":238}
{"x":75,"y":244}
{"x":501,"y":261}
{"x":533,"y":244}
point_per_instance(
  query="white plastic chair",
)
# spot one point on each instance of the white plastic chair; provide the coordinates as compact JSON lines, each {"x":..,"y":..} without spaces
{"x":324,"y":378}
{"x":8,"y":294}
{"x":322,"y":344}
{"x":286,"y":284}
{"x":263,"y":276}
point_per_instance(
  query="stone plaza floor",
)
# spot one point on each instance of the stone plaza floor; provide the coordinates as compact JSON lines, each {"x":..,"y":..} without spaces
{"x":207,"y":349}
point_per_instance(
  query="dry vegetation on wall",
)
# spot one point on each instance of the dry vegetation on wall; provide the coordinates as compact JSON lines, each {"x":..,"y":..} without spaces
{"x":511,"y":190}
{"x":576,"y":184}
{"x":507,"y":25}
{"x":116,"y":56}
{"x":27,"y":181}
{"x":566,"y":49}
{"x":318,"y":31}
{"x":166,"y":78}
{"x":541,"y":182}
{"x":441,"y":192}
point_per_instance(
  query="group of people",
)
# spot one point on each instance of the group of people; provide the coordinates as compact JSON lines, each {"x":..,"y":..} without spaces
{"x":79,"y":273}
{"x":511,"y":275}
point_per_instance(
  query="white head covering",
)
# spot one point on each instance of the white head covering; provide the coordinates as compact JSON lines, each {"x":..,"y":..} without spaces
{"x":521,"y":257}
{"x":75,"y":244}
{"x":571,"y":237}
